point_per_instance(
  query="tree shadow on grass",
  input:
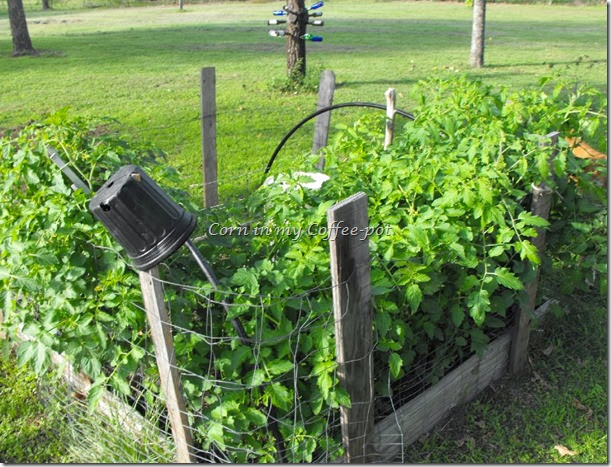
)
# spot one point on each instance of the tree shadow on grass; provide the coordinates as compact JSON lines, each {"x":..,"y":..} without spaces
{"x":545,"y":63}
{"x":248,"y":40}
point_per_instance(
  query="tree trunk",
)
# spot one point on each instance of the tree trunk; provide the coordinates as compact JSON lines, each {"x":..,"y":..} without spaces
{"x":22,"y":44}
{"x":295,"y":46}
{"x":477,"y":34}
{"x":46,"y":4}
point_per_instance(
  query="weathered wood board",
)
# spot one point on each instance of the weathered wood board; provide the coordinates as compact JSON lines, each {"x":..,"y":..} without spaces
{"x":423,"y":413}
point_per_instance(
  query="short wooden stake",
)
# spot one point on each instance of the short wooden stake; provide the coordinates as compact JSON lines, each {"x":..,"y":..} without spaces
{"x":540,"y":206}
{"x":321,"y":126}
{"x":353,"y":314}
{"x":208,"y":109}
{"x":161,"y":333}
{"x":391,"y":99}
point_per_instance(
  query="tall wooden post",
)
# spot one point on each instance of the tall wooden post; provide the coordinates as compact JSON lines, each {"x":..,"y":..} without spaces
{"x":161,"y":333}
{"x":353,"y":314}
{"x":391,"y":99}
{"x":208,"y":110}
{"x":540,"y":206}
{"x":295,"y":46}
{"x":321,"y":126}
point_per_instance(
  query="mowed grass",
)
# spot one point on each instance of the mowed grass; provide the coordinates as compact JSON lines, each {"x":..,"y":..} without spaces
{"x":141,"y":66}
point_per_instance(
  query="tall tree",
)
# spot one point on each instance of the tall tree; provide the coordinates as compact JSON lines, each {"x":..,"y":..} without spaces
{"x":22,"y":44}
{"x":477,"y":33}
{"x":295,"y":45}
{"x":46,"y":4}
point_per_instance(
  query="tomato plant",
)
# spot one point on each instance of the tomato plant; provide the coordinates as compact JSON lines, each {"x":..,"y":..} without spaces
{"x":451,"y":250}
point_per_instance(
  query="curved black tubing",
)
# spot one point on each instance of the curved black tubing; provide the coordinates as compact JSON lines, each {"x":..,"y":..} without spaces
{"x":328,"y":109}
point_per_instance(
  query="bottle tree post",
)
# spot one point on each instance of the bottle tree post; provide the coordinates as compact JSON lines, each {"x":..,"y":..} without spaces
{"x":295,"y":43}
{"x":297,"y":20}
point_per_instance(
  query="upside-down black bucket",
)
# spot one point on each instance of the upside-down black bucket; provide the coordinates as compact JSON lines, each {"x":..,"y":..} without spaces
{"x":147,"y":223}
{"x":150,"y":226}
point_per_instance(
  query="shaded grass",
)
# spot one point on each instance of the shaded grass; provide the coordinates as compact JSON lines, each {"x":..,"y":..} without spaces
{"x":561,"y":400}
{"x":32,"y":429}
{"x":141,"y":65}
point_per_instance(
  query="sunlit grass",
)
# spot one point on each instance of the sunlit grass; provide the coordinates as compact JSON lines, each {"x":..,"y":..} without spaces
{"x":32,"y":427}
{"x":141,"y":65}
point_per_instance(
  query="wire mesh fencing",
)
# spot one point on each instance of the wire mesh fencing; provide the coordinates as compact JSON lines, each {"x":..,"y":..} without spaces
{"x":273,"y":396}
{"x":260,"y":400}
{"x":245,"y":401}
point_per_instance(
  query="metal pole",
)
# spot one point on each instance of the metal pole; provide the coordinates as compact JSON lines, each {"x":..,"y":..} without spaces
{"x":68,"y":172}
{"x":207,"y":270}
{"x":237,"y":324}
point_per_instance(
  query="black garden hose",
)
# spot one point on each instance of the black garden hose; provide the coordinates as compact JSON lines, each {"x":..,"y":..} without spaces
{"x":328,"y":109}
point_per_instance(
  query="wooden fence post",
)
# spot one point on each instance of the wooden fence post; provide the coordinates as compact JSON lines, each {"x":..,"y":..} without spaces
{"x":161,"y":333}
{"x":353,"y":314}
{"x":208,"y":109}
{"x":540,"y":206}
{"x":321,"y":126}
{"x":391,"y":99}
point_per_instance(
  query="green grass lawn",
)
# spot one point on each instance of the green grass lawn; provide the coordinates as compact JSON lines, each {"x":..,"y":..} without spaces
{"x":42,"y":421}
{"x":32,"y":427}
{"x":141,"y":65}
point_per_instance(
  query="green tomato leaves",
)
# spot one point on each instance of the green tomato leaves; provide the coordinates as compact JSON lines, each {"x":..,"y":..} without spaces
{"x":508,"y":279}
{"x":450,"y":197}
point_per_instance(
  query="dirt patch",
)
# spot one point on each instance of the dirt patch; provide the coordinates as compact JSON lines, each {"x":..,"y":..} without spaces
{"x":13,"y":132}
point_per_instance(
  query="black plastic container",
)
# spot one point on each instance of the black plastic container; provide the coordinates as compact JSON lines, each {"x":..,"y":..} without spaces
{"x":147,"y":223}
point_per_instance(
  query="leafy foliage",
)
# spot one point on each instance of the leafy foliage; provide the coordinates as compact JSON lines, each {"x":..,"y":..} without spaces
{"x":62,"y":282}
{"x":295,"y":82}
{"x":451,"y":251}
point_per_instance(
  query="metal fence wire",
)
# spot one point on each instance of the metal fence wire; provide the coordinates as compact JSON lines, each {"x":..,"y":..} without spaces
{"x":225,"y":383}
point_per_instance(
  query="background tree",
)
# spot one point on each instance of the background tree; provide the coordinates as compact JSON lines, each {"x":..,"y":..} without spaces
{"x":46,"y":4}
{"x":295,"y":46}
{"x":22,"y":44}
{"x":477,"y":33}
